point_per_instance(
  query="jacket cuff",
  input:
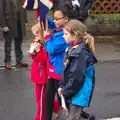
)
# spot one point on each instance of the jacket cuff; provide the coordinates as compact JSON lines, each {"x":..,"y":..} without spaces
{"x":60,"y":86}
{"x":48,"y":36}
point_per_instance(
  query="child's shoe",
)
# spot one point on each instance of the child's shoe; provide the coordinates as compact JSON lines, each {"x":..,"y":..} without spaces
{"x":91,"y":117}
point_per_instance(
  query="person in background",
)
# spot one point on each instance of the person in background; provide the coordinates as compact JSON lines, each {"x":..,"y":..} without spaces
{"x":12,"y":21}
{"x":80,"y":8}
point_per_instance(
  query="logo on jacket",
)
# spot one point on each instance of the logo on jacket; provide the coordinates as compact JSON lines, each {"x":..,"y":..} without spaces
{"x":51,"y":70}
{"x":75,"y":3}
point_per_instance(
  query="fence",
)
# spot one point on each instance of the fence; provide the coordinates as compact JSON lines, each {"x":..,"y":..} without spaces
{"x":105,"y":7}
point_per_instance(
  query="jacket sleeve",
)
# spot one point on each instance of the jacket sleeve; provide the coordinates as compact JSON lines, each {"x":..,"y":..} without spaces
{"x":2,"y":13}
{"x":61,"y":82}
{"x":51,"y":24}
{"x":75,"y":77}
{"x":55,"y":45}
{"x":41,"y":57}
{"x":32,"y":56}
{"x":89,"y":4}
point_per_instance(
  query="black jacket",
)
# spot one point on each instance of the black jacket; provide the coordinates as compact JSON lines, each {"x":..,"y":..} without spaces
{"x":82,"y":10}
{"x":78,"y":59}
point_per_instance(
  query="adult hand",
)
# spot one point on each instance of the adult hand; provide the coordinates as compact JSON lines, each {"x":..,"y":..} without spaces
{"x":37,"y":46}
{"x":59,"y":91}
{"x":5,"y":29}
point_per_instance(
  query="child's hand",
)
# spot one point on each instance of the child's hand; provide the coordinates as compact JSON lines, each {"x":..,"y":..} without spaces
{"x":37,"y":46}
{"x":46,"y":33}
{"x":32,"y":50}
{"x":59,"y":91}
{"x":32,"y":44}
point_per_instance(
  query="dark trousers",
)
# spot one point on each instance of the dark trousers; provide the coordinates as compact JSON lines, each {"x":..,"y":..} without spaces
{"x":51,"y":90}
{"x":17,"y":43}
{"x":74,"y":113}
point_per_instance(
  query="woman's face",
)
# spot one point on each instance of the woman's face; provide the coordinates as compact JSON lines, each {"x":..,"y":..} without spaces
{"x":68,"y":37}
{"x":59,"y":19}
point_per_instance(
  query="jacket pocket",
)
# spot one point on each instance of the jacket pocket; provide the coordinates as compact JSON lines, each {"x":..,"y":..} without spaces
{"x":36,"y":72}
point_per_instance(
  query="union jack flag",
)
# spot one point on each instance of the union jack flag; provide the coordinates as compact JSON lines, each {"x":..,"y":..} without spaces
{"x":42,"y":7}
{"x":30,"y":4}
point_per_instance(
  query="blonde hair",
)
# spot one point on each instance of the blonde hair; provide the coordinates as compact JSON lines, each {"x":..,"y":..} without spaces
{"x":88,"y":39}
{"x":37,"y":29}
{"x":78,"y":30}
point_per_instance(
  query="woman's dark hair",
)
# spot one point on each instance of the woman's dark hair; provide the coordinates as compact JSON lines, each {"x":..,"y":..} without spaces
{"x":66,"y":9}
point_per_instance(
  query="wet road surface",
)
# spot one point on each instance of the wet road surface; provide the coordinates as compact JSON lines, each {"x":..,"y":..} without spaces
{"x":17,"y":100}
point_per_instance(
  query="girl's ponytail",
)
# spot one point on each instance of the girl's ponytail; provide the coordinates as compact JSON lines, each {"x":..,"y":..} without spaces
{"x":89,"y":40}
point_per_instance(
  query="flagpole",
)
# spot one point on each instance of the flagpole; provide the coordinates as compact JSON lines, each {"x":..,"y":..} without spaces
{"x":42,"y":37}
{"x":46,"y":23}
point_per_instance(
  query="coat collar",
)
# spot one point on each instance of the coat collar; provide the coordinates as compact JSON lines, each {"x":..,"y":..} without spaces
{"x":77,"y":49}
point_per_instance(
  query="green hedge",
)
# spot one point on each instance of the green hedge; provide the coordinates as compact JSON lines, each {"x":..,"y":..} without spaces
{"x":106,"y":16}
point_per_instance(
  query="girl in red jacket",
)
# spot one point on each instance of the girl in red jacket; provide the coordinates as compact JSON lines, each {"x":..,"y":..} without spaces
{"x":39,"y":72}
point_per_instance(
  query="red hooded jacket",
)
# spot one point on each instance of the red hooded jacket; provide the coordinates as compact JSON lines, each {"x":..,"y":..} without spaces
{"x":39,"y":67}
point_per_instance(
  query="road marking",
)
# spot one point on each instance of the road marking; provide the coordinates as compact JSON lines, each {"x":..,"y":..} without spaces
{"x":3,"y":68}
{"x":112,"y":119}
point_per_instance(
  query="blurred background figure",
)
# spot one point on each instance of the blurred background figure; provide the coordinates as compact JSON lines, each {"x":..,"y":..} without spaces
{"x":12,"y":21}
{"x":80,"y":7}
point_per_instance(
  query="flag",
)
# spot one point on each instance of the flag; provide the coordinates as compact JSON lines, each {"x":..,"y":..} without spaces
{"x":43,"y":22}
{"x":30,"y":4}
{"x":44,"y":6}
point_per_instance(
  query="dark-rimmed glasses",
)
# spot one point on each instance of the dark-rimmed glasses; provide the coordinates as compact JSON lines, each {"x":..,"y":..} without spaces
{"x":58,"y":18}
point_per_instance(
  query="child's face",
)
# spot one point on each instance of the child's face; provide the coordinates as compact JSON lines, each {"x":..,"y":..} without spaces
{"x":68,"y":37}
{"x":38,"y":34}
{"x":59,"y":19}
{"x":37,"y":31}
